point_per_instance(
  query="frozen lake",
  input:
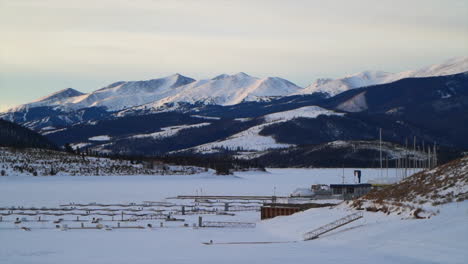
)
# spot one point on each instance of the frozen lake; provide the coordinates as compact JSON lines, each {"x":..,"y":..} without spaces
{"x":40,"y":191}
{"x":175,"y":244}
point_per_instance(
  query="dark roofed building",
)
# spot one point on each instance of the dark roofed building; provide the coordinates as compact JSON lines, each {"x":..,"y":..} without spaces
{"x":350,"y":191}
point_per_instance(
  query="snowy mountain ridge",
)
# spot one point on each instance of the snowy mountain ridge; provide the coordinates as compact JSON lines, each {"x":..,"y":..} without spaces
{"x":223,"y":89}
{"x":230,"y":89}
{"x":367,"y":78}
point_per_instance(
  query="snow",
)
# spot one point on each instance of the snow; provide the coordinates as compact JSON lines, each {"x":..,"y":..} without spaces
{"x":170,"y":131}
{"x":377,"y":238}
{"x":48,"y":128}
{"x":122,"y":95}
{"x":367,"y":78}
{"x":156,"y":93}
{"x":251,"y":139}
{"x":100,"y":138}
{"x":117,"y":96}
{"x":206,"y":117}
{"x":60,"y":95}
{"x":241,"y":119}
{"x":231,"y":89}
{"x":80,"y":145}
{"x":40,"y":162}
{"x":303,"y":112}
{"x":436,"y":240}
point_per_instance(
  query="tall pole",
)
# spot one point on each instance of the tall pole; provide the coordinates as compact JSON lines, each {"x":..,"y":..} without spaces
{"x":406,"y":158}
{"x":380,"y":143}
{"x":418,"y":161}
{"x":386,"y":158}
{"x":343,"y":175}
{"x":429,"y":165}
{"x":414,"y":154}
{"x":424,"y":152}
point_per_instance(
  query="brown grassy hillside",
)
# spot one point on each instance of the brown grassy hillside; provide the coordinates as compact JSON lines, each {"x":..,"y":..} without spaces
{"x":443,"y":184}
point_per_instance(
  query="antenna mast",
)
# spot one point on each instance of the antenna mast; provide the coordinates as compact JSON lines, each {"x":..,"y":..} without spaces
{"x":380,"y":144}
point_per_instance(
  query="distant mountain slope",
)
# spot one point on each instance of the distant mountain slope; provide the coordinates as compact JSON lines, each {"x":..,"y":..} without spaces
{"x":252,"y":139}
{"x":438,"y":105}
{"x":13,"y":135}
{"x":335,"y":154}
{"x":367,"y":78}
{"x":405,"y":93}
{"x":347,"y":153}
{"x":432,"y":109}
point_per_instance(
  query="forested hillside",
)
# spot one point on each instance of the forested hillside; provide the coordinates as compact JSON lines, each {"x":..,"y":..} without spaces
{"x":13,"y":135}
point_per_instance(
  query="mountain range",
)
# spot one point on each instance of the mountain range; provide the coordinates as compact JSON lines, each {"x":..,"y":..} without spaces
{"x":333,"y":87}
{"x":221,"y":90}
{"x":250,"y":117}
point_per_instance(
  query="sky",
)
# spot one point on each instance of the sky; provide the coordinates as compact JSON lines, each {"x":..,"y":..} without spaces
{"x":49,"y":45}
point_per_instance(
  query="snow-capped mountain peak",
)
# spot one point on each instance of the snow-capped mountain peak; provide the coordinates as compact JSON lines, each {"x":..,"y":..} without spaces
{"x":227,"y":89}
{"x":60,"y":95}
{"x":55,"y":98}
{"x":116,"y":96}
{"x":368,"y":78}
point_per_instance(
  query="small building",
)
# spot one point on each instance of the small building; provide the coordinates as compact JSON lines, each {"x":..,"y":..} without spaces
{"x":350,"y":191}
{"x":271,"y":210}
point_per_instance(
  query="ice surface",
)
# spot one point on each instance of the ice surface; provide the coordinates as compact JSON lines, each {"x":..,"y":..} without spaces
{"x":376,"y":238}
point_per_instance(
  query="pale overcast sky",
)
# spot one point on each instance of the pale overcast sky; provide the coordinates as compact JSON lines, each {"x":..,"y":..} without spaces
{"x":48,"y":45}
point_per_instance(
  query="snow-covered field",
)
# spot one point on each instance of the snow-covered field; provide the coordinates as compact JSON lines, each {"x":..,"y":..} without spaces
{"x":376,"y":238}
